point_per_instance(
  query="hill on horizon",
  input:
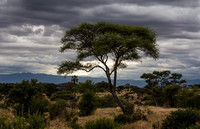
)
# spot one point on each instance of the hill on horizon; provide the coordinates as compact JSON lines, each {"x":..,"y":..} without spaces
{"x":57,"y":79}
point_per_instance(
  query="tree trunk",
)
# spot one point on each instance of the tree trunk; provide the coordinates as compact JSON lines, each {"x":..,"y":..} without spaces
{"x":120,"y":104}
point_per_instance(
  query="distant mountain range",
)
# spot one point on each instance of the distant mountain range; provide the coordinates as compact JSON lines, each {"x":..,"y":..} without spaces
{"x":57,"y":79}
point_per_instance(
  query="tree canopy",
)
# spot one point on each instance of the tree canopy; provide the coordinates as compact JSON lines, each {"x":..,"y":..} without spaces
{"x":106,"y":40}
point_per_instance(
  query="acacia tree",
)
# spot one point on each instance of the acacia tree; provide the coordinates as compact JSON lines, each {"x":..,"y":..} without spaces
{"x":105,"y":43}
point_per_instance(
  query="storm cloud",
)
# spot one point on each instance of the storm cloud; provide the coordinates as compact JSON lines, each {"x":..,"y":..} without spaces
{"x":30,"y":33}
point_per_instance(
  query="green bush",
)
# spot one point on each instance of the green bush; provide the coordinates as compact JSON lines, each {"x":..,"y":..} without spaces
{"x":36,"y":121}
{"x":129,"y":106}
{"x":181,"y":119}
{"x":57,"y":109}
{"x":87,"y":86}
{"x":88,"y":104}
{"x":50,"y":88}
{"x":102,"y":123}
{"x":139,"y":115}
{"x":69,"y":115}
{"x":33,"y":121}
{"x":195,"y":126}
{"x":188,"y":99}
{"x":74,"y":125}
{"x":66,"y":95}
{"x":106,"y":101}
{"x":4,"y":124}
{"x":122,"y":119}
{"x":21,"y":96}
{"x":39,"y":105}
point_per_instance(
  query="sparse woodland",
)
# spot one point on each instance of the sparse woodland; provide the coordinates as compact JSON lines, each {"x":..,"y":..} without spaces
{"x":164,"y":103}
{"x":31,"y":104}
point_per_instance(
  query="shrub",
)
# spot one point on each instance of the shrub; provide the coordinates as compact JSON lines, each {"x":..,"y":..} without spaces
{"x":66,"y":95}
{"x":38,"y":105}
{"x":188,"y":99}
{"x":69,"y":115}
{"x":21,"y":96}
{"x":195,"y":126}
{"x":88,"y":104}
{"x":129,"y":106}
{"x":33,"y":121}
{"x":139,"y":115}
{"x":122,"y":119}
{"x":74,"y":125}
{"x":50,"y":88}
{"x":57,"y":109}
{"x":4,"y":124}
{"x":86,"y":86}
{"x":102,"y":123}
{"x":181,"y":119}
{"x":106,"y":101}
{"x":36,"y":121}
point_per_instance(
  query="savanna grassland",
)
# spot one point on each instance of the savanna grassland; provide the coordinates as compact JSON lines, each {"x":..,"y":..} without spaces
{"x":49,"y":106}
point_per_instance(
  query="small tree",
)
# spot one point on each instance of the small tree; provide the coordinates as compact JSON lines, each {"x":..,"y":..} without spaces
{"x":107,"y":42}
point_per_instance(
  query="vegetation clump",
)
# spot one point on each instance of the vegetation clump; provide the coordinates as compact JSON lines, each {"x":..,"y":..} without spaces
{"x":181,"y":119}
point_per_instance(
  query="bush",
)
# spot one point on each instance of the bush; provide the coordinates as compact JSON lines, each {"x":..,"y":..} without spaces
{"x":106,"y":101}
{"x":88,"y":104}
{"x":195,"y":126}
{"x":50,"y":88}
{"x":21,"y":96}
{"x":66,"y":95}
{"x":139,"y":115}
{"x":86,"y":86}
{"x":75,"y":126}
{"x":69,"y":115}
{"x":181,"y":119}
{"x":188,"y":99}
{"x":33,"y":121}
{"x":129,"y":106}
{"x":36,"y":121}
{"x":57,"y":109}
{"x":102,"y":123}
{"x":39,"y":105}
{"x":122,"y":119}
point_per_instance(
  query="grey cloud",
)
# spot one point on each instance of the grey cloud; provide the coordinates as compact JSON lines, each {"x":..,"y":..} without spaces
{"x":30,"y":31}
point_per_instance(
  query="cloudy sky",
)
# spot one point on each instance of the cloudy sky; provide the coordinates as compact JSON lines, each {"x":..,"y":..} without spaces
{"x":30,"y":33}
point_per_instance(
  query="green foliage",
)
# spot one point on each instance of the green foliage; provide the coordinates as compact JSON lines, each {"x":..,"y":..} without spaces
{"x":106,"y":101}
{"x":75,"y":126}
{"x":57,"y":109}
{"x":50,"y":88}
{"x":102,"y":86}
{"x":129,"y":106}
{"x":69,"y":115}
{"x":186,"y":98}
{"x":4,"y":124}
{"x":195,"y":126}
{"x":66,"y":95}
{"x":33,"y":121}
{"x":38,"y":105}
{"x":36,"y":121}
{"x":122,"y":119}
{"x":102,"y":123}
{"x":170,"y":94}
{"x":139,"y":115}
{"x":88,"y":104}
{"x":87,"y":86}
{"x":23,"y":94}
{"x":4,"y":89}
{"x":181,"y":119}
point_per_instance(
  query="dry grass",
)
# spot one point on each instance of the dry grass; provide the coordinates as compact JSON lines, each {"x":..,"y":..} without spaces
{"x":157,"y":115}
{"x":100,"y":113}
